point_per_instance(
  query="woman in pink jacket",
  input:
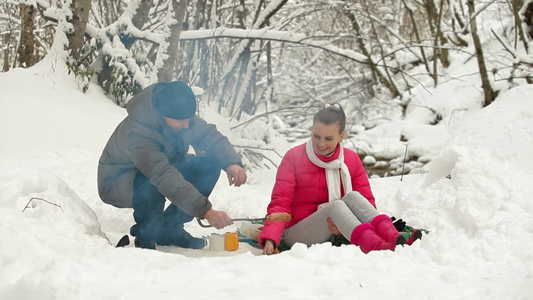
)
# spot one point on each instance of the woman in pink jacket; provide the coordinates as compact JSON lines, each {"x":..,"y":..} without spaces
{"x":326,"y":190}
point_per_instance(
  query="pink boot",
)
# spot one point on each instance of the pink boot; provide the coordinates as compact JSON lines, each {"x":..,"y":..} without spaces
{"x":386,"y":230}
{"x":365,"y":236}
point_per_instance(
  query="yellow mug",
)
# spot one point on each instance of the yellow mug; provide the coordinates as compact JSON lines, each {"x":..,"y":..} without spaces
{"x":231,"y":241}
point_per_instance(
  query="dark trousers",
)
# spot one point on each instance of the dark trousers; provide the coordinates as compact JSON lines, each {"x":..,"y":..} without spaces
{"x":152,"y":221}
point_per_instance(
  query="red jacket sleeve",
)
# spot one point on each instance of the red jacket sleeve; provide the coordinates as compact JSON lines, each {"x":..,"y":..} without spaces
{"x":282,"y":196}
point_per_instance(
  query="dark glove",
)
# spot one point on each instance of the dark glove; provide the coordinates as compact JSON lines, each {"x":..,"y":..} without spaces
{"x":398,"y":224}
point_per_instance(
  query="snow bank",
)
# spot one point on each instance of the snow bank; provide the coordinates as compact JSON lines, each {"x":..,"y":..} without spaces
{"x":476,"y":198}
{"x":51,"y":200}
{"x":503,"y":131}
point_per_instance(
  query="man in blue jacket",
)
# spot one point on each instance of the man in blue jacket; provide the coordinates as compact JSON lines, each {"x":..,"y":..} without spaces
{"x":146,"y":160}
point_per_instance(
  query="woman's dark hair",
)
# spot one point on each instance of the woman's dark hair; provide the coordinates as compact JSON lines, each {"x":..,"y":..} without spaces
{"x":331,"y":114}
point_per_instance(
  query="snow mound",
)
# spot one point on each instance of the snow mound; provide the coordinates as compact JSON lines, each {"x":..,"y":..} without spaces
{"x":503,"y":131}
{"x":46,"y":197}
{"x":476,"y":199}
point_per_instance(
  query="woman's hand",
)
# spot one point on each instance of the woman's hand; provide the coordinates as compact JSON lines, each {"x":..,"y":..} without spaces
{"x":270,"y":247}
{"x":332,"y":227}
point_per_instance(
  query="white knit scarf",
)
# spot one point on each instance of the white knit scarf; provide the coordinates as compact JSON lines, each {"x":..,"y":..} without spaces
{"x":333,"y":176}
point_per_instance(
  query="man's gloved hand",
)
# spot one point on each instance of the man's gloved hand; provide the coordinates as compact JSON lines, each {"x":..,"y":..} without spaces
{"x":399,"y":224}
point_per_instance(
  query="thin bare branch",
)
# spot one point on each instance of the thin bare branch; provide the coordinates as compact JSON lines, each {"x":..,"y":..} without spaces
{"x":41,"y":199}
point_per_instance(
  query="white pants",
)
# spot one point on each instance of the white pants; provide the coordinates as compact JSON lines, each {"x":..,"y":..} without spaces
{"x":352,"y":210}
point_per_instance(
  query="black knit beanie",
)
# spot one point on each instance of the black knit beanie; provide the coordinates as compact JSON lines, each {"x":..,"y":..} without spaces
{"x":174,"y":100}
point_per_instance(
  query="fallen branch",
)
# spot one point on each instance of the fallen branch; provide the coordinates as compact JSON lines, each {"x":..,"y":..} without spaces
{"x":37,"y":198}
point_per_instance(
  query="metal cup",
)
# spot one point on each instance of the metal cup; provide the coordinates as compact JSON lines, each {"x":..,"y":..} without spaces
{"x":216,"y":242}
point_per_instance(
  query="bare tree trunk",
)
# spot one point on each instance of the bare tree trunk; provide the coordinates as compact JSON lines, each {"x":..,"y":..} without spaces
{"x":193,"y":68}
{"x":434,"y":19}
{"x":26,"y":49}
{"x":270,"y":75}
{"x":250,"y":76}
{"x":241,"y":83}
{"x":241,"y":59}
{"x":202,"y":46}
{"x":516,"y":6}
{"x":417,"y":34}
{"x":436,"y":44}
{"x":528,"y":19}
{"x":444,"y":54}
{"x":391,"y":84}
{"x":375,"y":70}
{"x":488,"y":92}
{"x":459,"y":25}
{"x":5,"y":67}
{"x":166,"y":73}
{"x":7,"y":46}
{"x":80,"y":16}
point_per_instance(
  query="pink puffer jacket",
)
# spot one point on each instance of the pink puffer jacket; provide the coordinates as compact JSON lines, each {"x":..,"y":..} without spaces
{"x":301,"y":187}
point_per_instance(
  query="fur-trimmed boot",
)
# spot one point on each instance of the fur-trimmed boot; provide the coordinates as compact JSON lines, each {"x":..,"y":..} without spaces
{"x":367,"y":239}
{"x":386,"y":230}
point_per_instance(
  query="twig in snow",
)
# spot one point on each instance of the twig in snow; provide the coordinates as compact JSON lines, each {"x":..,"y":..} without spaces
{"x":404,"y":159}
{"x":37,"y":198}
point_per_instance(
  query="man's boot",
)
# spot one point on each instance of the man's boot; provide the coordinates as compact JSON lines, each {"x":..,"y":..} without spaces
{"x":178,"y":237}
{"x":142,"y":240}
{"x":172,"y":232}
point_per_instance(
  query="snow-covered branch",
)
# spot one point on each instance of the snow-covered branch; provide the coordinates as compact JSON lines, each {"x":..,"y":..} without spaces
{"x":272,"y":35}
{"x":520,"y":58}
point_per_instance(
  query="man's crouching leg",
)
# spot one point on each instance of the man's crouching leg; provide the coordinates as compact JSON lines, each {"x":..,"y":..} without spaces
{"x":203,"y":173}
{"x":148,"y":204}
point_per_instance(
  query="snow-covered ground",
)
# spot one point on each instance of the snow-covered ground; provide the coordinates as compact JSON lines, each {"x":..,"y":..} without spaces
{"x":476,"y":199}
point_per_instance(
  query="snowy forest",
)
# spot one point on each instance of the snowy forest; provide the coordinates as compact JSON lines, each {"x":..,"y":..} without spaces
{"x":241,"y":51}
{"x":438,"y":95}
{"x":276,"y":61}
